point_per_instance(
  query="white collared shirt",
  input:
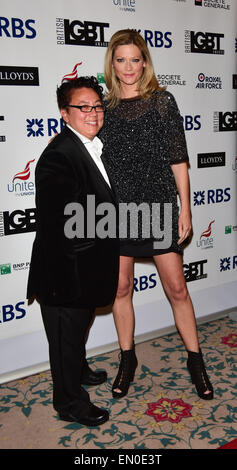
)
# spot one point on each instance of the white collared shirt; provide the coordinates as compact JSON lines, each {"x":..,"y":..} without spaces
{"x":94,"y":148}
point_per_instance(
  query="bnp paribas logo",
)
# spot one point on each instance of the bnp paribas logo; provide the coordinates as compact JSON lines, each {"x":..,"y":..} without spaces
{"x":101,"y":78}
{"x":5,"y":269}
{"x":9,"y":268}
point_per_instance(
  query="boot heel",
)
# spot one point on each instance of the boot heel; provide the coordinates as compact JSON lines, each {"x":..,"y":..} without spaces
{"x":199,"y":377}
{"x":126,"y":373}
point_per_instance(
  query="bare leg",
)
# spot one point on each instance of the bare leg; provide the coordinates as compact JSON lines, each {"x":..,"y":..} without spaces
{"x":123,"y":308}
{"x":170,"y":269}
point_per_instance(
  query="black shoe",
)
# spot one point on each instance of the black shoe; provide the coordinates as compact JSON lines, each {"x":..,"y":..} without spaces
{"x":199,"y":376}
{"x":93,"y":417}
{"x":90,"y":377}
{"x":127,"y":367}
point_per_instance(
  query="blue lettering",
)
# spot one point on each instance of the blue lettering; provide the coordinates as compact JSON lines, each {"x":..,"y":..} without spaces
{"x":156,"y":38}
{"x":21,"y":310}
{"x":159,"y":39}
{"x":4,"y":23}
{"x":17,"y":28}
{"x":30,"y":36}
{"x":196,"y":120}
{"x":210,"y":196}
{"x":17,"y":25}
{"x":53,"y":126}
{"x":148,"y":36}
{"x":7,"y":312}
{"x":143,"y":283}
{"x":153,"y":281}
{"x":169,"y":42}
{"x":188,"y":123}
{"x":219,"y":195}
{"x":227,"y":194}
{"x":135,"y":284}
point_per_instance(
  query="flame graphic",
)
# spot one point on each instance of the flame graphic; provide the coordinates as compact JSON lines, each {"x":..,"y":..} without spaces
{"x":25,"y":174}
{"x":72,"y":75}
{"x":207,"y":232}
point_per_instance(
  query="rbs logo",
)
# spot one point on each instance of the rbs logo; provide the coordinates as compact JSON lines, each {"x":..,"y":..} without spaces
{"x":144,"y":282}
{"x":211,"y":196}
{"x":9,"y":312}
{"x":36,"y":127}
{"x":191,"y":122}
{"x":157,"y":38}
{"x":17,"y":28}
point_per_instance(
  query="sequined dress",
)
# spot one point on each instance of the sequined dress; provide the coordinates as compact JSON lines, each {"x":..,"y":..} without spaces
{"x":142,"y":138}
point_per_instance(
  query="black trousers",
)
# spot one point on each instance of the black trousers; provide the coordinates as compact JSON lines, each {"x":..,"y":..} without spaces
{"x":66,"y":330}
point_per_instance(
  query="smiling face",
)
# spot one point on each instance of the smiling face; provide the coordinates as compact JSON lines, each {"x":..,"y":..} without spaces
{"x":87,"y":124}
{"x":128,"y":64}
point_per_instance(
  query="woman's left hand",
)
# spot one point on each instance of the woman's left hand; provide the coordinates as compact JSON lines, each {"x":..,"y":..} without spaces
{"x":184,"y":225}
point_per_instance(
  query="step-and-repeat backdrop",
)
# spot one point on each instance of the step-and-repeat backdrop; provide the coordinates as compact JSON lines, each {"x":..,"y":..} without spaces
{"x":193,"y":46}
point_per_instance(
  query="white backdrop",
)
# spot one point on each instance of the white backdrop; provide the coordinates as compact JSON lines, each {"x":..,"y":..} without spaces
{"x":193,"y":45}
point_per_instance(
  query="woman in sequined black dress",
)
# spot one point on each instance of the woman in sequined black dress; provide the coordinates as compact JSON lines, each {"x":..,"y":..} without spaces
{"x":146,"y":156}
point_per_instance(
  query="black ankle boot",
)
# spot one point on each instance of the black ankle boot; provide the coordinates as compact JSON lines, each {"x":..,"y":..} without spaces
{"x":199,"y":376}
{"x":127,"y":367}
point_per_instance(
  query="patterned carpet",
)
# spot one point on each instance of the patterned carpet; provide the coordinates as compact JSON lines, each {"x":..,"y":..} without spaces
{"x":161,"y":411}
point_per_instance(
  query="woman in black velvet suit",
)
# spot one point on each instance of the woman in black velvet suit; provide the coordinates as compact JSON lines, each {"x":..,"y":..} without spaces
{"x":72,"y":276}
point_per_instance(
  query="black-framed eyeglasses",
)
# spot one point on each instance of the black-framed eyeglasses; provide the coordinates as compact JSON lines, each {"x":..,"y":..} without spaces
{"x":85,"y":108}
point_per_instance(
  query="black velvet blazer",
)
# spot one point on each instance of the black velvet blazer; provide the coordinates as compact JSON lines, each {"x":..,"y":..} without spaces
{"x":70,"y":271}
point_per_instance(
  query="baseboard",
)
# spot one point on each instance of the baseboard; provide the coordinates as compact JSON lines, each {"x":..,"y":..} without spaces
{"x":38,"y":368}
{"x":155,"y":334}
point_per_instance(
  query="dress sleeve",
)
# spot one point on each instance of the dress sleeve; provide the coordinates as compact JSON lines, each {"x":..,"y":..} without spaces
{"x":173,"y":126}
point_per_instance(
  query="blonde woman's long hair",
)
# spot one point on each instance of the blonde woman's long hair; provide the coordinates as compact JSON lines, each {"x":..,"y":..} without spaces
{"x":148,"y":82}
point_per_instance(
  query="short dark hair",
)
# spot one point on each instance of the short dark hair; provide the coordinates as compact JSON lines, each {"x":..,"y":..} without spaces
{"x":65,"y":90}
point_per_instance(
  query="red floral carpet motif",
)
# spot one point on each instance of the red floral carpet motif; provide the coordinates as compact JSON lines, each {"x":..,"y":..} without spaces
{"x":230,"y":340}
{"x":169,"y":410}
{"x":230,"y":445}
